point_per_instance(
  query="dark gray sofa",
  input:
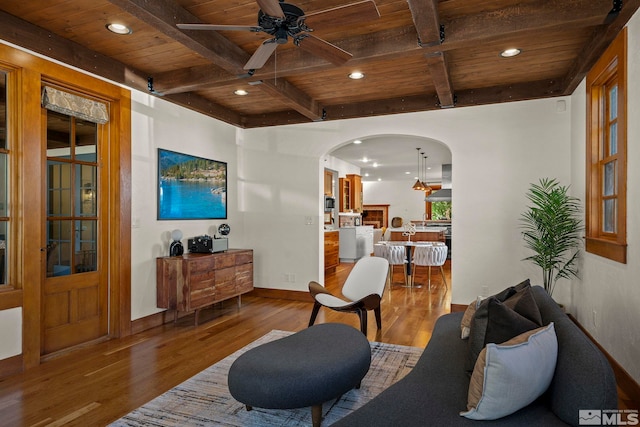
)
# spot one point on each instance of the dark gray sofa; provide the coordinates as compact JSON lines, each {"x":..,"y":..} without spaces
{"x":435,"y":391}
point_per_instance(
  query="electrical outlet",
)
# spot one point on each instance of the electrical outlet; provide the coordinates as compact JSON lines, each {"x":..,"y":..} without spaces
{"x":308,"y":220}
{"x":485,"y":291}
{"x":595,"y":318}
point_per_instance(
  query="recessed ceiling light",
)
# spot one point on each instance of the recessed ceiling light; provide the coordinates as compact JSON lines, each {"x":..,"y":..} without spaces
{"x":407,"y":173}
{"x":375,"y":165}
{"x":357,"y":141}
{"x":366,"y":174}
{"x":365,"y":160}
{"x":241,"y":92}
{"x":356,"y":75}
{"x":379,"y":179}
{"x":508,"y":53}
{"x":119,"y":28}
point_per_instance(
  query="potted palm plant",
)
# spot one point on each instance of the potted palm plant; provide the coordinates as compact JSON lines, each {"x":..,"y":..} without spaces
{"x":551,"y":228}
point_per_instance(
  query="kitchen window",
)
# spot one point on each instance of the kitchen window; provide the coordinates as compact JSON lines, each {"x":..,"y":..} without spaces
{"x":607,"y":154}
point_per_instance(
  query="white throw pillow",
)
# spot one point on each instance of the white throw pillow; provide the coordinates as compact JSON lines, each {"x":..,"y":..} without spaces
{"x":509,"y":376}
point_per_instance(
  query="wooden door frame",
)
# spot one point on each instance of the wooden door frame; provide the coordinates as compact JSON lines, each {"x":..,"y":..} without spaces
{"x":27,"y":270}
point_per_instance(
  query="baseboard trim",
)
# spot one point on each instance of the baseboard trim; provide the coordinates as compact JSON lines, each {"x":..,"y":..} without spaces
{"x":626,"y":383}
{"x":281,"y":294}
{"x":151,"y":321}
{"x":10,"y":366}
{"x":458,"y":307}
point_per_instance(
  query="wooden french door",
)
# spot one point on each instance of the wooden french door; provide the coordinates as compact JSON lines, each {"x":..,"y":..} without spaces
{"x":75,"y":305}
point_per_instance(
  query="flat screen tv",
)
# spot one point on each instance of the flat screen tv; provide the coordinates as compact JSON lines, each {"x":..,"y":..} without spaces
{"x":191,"y":187}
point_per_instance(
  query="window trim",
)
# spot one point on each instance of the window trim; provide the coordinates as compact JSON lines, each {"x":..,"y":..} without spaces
{"x":612,"y":66}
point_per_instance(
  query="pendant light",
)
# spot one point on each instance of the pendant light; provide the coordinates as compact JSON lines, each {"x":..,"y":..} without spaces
{"x":418,"y":185}
{"x":425,"y":186}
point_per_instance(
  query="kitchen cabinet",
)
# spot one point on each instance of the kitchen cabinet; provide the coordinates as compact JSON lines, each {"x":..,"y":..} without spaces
{"x":328,"y":183}
{"x":331,"y":249}
{"x":355,"y":188}
{"x":350,"y":189}
{"x":345,"y":194}
{"x":355,"y":242}
{"x":194,"y":281}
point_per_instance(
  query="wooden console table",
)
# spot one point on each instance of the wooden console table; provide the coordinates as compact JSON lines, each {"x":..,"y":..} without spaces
{"x":194,"y":281}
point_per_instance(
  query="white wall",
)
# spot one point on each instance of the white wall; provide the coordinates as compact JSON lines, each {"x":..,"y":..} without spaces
{"x":403,"y":201}
{"x":497,"y":151}
{"x":160,"y":124}
{"x":10,"y":332}
{"x":607,"y":298}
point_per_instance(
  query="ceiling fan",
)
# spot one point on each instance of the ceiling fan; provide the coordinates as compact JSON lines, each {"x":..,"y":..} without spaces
{"x":283,"y":20}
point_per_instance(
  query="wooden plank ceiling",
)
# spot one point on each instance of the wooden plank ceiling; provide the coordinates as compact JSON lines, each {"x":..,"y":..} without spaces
{"x":417,"y":55}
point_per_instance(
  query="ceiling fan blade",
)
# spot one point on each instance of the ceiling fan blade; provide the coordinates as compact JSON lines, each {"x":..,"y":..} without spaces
{"x":261,"y":55}
{"x":325,"y":50}
{"x":361,"y":11}
{"x":219,"y":27}
{"x":271,"y":8}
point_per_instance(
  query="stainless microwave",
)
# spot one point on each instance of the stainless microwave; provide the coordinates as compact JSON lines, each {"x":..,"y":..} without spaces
{"x":329,"y":203}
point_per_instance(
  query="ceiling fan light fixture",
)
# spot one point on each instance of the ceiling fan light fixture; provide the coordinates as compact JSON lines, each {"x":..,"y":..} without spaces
{"x":119,"y":28}
{"x":511,"y":52}
{"x":356,"y":75}
{"x":281,"y":36}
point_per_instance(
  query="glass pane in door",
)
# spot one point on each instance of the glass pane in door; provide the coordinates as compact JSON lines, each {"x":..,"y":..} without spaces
{"x":86,"y":197}
{"x":58,"y":135}
{"x":86,"y":141}
{"x":3,"y":110}
{"x":86,"y":238}
{"x":58,"y":188}
{"x":59,"y":253}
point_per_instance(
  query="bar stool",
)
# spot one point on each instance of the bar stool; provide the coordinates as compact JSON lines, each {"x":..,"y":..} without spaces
{"x":396,"y":255}
{"x":428,"y":255}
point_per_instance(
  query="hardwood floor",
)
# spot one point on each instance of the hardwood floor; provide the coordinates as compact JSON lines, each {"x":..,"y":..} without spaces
{"x":98,"y":384}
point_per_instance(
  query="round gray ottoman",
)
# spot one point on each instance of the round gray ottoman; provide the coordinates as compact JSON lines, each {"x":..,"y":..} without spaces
{"x":307,"y":368}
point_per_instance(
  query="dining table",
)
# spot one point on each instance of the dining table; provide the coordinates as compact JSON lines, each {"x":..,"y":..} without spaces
{"x":408,"y":244}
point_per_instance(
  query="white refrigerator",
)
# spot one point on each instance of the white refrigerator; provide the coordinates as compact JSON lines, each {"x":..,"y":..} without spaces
{"x":355,"y":242}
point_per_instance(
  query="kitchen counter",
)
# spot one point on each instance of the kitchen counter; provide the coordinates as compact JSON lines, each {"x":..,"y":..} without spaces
{"x":420,"y":228}
{"x":423,"y":234}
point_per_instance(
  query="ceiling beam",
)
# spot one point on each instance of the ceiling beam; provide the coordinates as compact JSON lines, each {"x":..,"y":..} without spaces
{"x":387,"y":44}
{"x":295,"y":98}
{"x":410,"y":104}
{"x":593,"y":50}
{"x":427,"y":23}
{"x":396,"y":43}
{"x":522,"y":18}
{"x":36,"y":39}
{"x":425,"y":18}
{"x":439,"y":71}
{"x":163,"y":15}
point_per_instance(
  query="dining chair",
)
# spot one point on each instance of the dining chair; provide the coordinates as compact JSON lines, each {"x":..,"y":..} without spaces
{"x":381,"y":250}
{"x":397,"y":255}
{"x":363,"y":289}
{"x":429,"y":255}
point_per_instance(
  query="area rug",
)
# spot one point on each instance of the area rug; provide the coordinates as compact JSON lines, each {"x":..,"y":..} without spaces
{"x":204,"y":399}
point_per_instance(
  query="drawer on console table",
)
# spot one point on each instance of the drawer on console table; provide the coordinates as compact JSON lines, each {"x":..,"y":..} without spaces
{"x":193,"y":281}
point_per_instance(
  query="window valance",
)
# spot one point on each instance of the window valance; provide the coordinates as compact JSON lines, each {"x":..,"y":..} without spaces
{"x":73,"y":105}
